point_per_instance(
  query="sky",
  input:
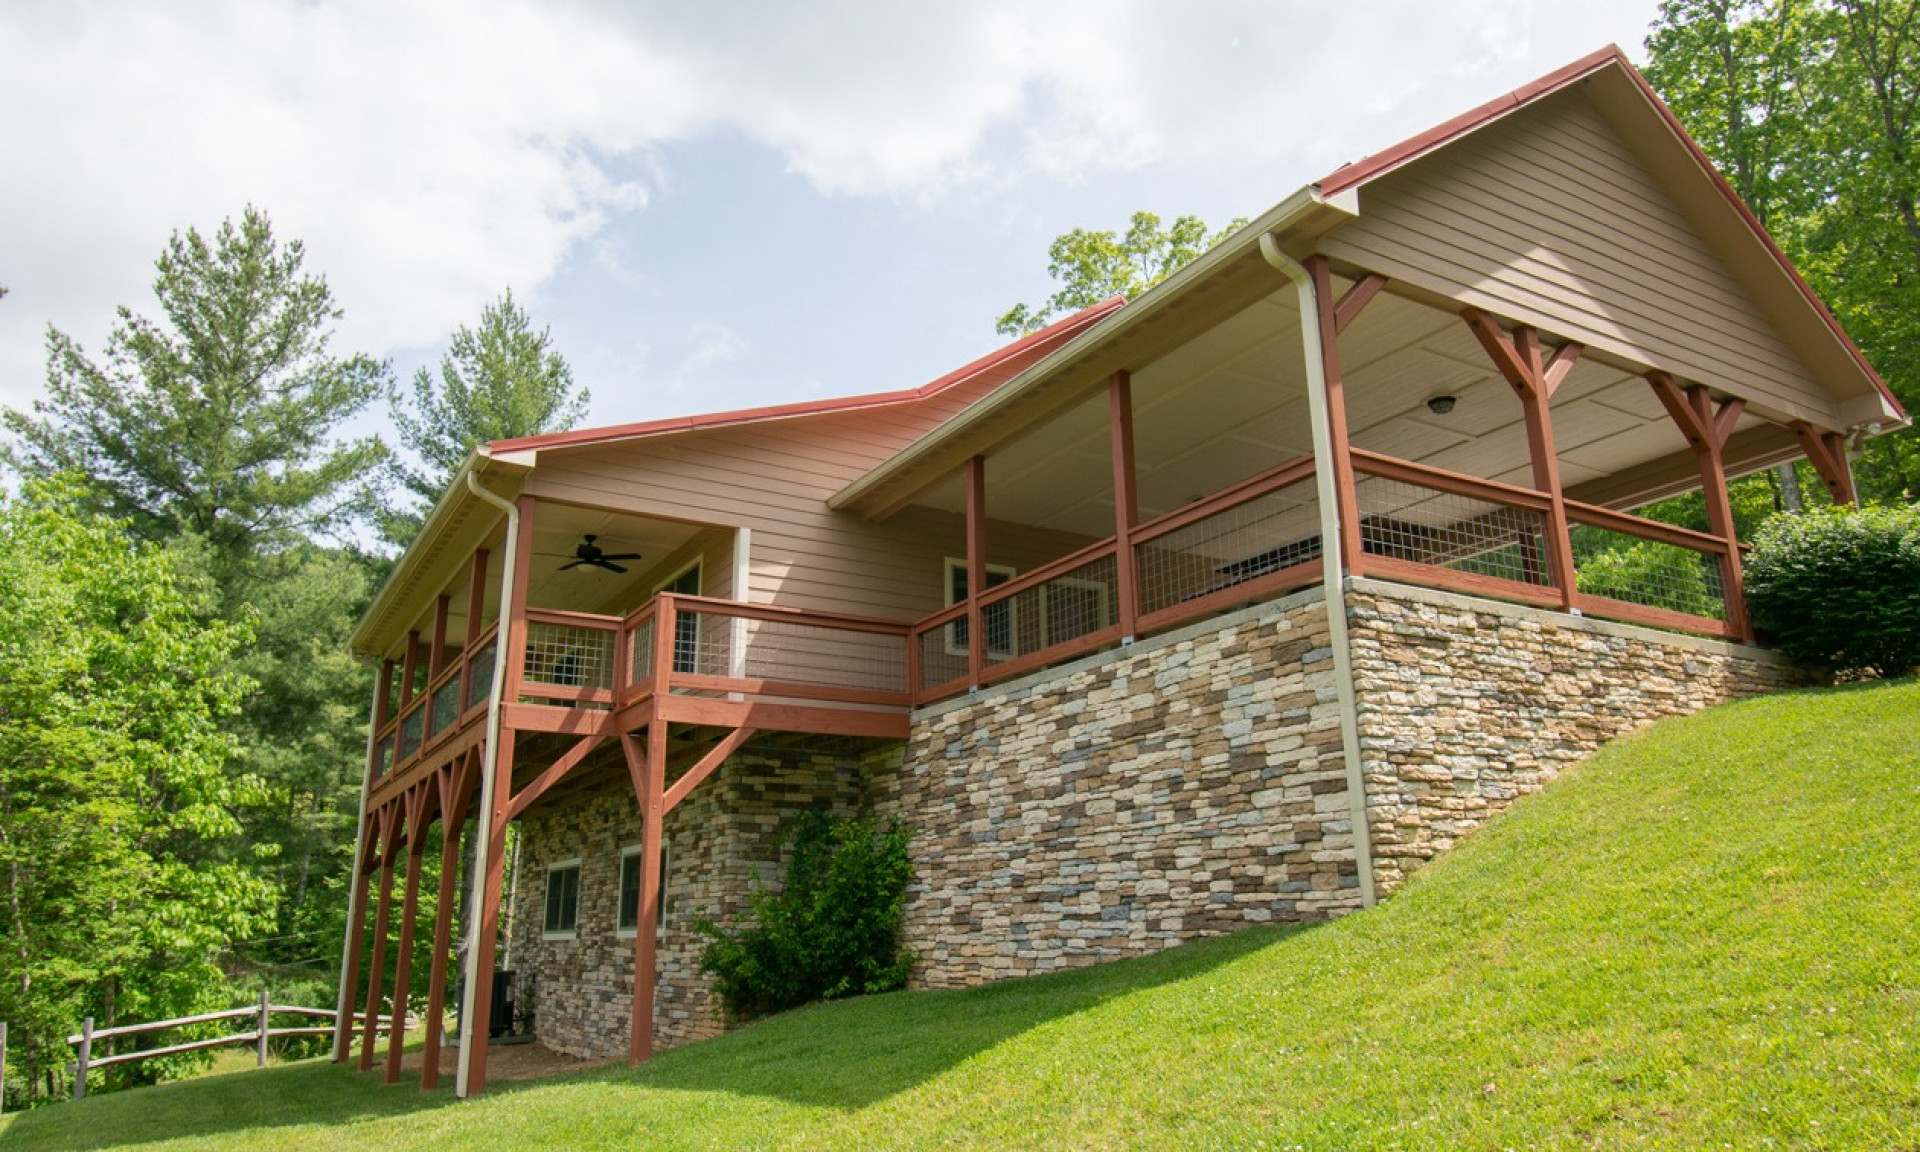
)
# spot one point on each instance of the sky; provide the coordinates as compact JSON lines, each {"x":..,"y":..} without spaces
{"x":712,"y":205}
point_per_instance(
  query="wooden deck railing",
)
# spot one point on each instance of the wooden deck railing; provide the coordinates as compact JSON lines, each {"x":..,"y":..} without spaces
{"x":450,"y":699}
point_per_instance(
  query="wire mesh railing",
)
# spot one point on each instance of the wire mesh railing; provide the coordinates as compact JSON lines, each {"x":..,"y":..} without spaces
{"x":479,"y":677}
{"x":568,"y":655}
{"x":1061,"y":607}
{"x":1421,"y":524}
{"x":1238,"y":543}
{"x":723,"y":647}
{"x":446,"y":704}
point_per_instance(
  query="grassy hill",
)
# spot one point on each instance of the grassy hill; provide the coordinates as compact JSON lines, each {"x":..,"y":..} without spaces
{"x":1708,"y":936}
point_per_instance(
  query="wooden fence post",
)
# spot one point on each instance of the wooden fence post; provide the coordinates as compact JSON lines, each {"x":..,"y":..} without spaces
{"x":260,"y":1054}
{"x":86,"y":1057}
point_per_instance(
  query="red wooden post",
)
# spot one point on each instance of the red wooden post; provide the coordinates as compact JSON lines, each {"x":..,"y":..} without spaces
{"x":1126,"y":500}
{"x":486,"y":932}
{"x":377,"y":970}
{"x":1517,"y":356}
{"x":356,"y":939}
{"x":453,"y":784}
{"x":1706,"y":428}
{"x":410,"y":661}
{"x":1352,"y":555}
{"x":976,"y":568}
{"x":437,"y":652}
{"x":416,"y":809}
{"x":653,"y":773}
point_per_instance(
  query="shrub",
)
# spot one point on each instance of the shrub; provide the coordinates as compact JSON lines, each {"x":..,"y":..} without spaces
{"x":1840,"y":587}
{"x":831,"y":931}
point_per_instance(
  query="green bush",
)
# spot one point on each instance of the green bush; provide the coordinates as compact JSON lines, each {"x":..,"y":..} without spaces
{"x":831,"y":931}
{"x":1840,"y":587}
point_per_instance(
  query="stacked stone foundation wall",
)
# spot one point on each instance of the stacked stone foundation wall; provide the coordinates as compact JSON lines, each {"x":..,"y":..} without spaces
{"x":1466,"y":705}
{"x":1188,"y":786}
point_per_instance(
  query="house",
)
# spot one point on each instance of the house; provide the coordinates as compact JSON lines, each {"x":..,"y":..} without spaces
{"x":1230,"y":604}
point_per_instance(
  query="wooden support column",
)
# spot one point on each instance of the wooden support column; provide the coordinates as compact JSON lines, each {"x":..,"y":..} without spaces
{"x":1334,"y":316}
{"x":437,"y":651}
{"x":350,"y":979}
{"x":976,"y":569}
{"x":476,"y":598}
{"x":1534,"y":381}
{"x":452,"y":783}
{"x":1126,"y":501}
{"x":383,"y":699}
{"x":377,"y":969}
{"x":1828,"y":453}
{"x":410,"y":661}
{"x":648,"y":766}
{"x":416,"y":809}
{"x":1706,"y":427}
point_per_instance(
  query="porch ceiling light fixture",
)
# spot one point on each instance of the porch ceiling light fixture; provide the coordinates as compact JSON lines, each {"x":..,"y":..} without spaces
{"x":1441,"y":405}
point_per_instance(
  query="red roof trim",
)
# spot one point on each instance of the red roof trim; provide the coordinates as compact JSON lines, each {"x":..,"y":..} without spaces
{"x":1052,"y":332}
{"x":1355,"y":174}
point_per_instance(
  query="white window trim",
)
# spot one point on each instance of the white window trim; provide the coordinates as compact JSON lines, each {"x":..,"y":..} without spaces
{"x":959,"y":564}
{"x":570,"y":933}
{"x":660,"y":925}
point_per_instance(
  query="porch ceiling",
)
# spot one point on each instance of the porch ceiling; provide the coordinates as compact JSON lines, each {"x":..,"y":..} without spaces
{"x":1231,"y":402}
{"x":560,"y":528}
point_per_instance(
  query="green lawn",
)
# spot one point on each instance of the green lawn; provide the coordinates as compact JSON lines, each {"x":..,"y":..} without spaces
{"x":1709,"y":936}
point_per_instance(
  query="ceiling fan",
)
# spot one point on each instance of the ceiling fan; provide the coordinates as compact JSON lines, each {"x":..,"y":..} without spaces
{"x":589,"y":553}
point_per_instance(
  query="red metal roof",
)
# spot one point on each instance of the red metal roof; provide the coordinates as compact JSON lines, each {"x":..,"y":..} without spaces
{"x":1057,"y":331}
{"x":1359,"y":172}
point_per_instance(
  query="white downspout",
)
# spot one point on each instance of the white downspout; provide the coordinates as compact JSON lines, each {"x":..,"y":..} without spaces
{"x":356,"y":908}
{"x":469,"y":1027}
{"x":1331,"y":567}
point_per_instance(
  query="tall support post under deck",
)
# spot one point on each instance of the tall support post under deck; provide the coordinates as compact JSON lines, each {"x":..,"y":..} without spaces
{"x":1340,"y":451}
{"x":1706,"y":427}
{"x":1126,"y":501}
{"x":376,"y":970}
{"x":976,"y":569}
{"x":496,"y":792}
{"x":453,"y":783}
{"x":1534,"y":381}
{"x":649,"y":768}
{"x":357,"y":899}
{"x":416,"y":810}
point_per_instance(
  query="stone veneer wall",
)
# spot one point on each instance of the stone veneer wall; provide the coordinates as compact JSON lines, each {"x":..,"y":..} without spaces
{"x":718,"y":839}
{"x":1465,"y":705}
{"x":1188,"y":785}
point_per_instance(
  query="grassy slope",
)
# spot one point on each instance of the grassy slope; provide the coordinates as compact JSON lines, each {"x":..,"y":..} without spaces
{"x":1709,"y":936}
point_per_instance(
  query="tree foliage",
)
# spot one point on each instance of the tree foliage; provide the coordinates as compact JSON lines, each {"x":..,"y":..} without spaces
{"x":113,"y":693}
{"x":1841,"y":587}
{"x":1809,"y":108}
{"x":1094,"y":266}
{"x":831,"y":931}
{"x":496,"y":382}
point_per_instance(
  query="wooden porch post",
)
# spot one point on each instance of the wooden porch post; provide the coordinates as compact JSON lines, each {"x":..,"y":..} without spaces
{"x":1126,"y":501}
{"x":1352,"y":555}
{"x":649,"y":769}
{"x":1517,"y":356}
{"x":476,"y":597}
{"x":416,"y":810}
{"x":1706,"y":427}
{"x":453,"y":783}
{"x":376,"y":972}
{"x":1828,"y":453}
{"x":350,"y":979}
{"x":409,"y":662}
{"x":976,"y":568}
{"x":437,"y":653}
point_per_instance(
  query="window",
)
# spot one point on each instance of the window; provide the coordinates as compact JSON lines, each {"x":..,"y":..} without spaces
{"x":563,"y":899}
{"x":998,"y":617}
{"x":631,"y":863}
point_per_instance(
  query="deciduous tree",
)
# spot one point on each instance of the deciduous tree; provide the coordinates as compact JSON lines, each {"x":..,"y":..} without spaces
{"x":1093,"y":266}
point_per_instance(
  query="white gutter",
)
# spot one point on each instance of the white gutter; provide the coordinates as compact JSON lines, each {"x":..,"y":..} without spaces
{"x":356,"y":906}
{"x":469,"y":1027}
{"x":1331,"y":568}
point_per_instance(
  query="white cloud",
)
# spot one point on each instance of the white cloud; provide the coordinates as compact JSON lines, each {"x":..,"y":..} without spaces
{"x":431,"y":153}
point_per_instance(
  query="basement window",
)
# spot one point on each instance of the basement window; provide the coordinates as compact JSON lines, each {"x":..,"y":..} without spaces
{"x":631,"y":863}
{"x":563,"y":900}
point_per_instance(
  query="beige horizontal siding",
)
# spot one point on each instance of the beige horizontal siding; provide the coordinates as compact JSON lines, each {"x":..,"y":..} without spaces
{"x":1547,"y":217}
